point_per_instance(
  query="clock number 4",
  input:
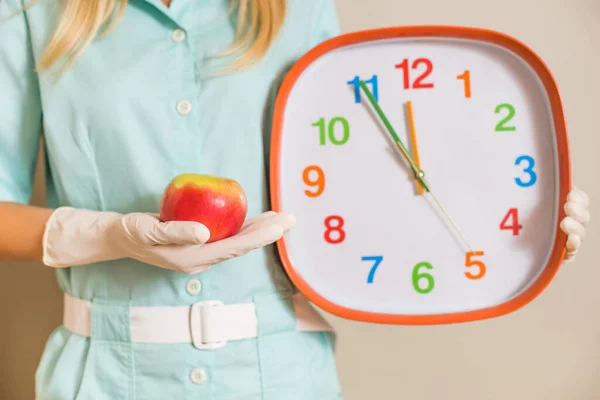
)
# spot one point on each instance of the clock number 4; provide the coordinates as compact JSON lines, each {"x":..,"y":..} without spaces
{"x":374,"y":87}
{"x":334,"y":234}
{"x":515,"y":227}
{"x":418,"y":83}
{"x":328,"y":130}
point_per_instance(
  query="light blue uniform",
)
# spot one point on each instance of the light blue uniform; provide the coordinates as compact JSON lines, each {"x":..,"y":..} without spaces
{"x":134,"y":111}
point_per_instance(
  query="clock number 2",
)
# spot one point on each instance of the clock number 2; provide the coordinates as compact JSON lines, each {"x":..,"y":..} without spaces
{"x":501,"y":126}
{"x":418,"y":83}
{"x":334,"y":224}
{"x":330,"y":131}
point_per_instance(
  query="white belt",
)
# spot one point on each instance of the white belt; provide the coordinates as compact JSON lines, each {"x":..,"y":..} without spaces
{"x":208,"y":325}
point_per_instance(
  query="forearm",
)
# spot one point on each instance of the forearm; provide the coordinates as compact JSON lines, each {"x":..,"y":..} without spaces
{"x":22,"y":231}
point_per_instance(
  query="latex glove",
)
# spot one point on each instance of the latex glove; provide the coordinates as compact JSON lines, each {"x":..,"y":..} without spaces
{"x":574,"y":223}
{"x":76,"y":237}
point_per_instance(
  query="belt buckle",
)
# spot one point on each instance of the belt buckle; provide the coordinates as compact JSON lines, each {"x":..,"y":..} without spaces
{"x":199,"y":325}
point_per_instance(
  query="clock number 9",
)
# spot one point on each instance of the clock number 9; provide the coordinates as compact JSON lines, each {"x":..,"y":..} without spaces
{"x":331,"y":130}
{"x":418,"y":276}
{"x":319,"y":182}
{"x":334,"y":224}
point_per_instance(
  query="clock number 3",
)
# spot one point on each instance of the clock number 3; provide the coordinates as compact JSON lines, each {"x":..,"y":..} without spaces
{"x":528,"y":170}
{"x":334,"y":234}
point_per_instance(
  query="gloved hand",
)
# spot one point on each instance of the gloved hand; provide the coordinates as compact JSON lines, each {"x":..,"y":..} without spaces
{"x":574,"y":223}
{"x":76,"y":237}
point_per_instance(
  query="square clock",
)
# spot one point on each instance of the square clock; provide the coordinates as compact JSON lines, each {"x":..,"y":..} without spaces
{"x":427,"y":167}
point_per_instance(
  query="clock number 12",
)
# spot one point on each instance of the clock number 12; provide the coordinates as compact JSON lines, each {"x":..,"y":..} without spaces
{"x":418,"y":83}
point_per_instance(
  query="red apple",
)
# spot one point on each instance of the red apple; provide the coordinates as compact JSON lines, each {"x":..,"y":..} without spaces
{"x":219,"y":203}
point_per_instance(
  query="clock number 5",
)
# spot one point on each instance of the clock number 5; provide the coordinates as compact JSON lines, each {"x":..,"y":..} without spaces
{"x":528,"y":170}
{"x":469,"y":262}
{"x":330,"y":132}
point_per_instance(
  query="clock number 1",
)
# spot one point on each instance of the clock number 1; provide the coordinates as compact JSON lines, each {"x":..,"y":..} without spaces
{"x":466,"y":76}
{"x":356,"y":83}
{"x":330,"y":132}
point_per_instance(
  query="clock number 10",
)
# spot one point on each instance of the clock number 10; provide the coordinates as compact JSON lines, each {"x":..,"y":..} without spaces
{"x":329,"y":130}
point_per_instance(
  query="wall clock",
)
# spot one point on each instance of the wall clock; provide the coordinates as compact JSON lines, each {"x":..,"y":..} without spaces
{"x":427,"y":167}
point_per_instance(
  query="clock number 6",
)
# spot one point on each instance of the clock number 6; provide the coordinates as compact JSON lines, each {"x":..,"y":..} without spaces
{"x":418,"y":276}
{"x":469,"y":262}
{"x":337,"y":228}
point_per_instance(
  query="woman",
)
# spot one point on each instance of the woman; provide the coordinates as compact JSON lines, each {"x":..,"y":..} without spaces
{"x":129,"y":95}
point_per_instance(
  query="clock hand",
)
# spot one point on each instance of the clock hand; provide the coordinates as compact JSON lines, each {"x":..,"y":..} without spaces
{"x":413,"y":138}
{"x":419,"y":173}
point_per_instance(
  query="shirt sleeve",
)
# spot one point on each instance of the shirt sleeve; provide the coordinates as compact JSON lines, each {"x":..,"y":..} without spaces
{"x":20,"y":108}
{"x":326,"y":22}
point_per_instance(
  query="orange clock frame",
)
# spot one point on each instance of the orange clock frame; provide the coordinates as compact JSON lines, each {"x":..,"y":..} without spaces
{"x":489,"y":36}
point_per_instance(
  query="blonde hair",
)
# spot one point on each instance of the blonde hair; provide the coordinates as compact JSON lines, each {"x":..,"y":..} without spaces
{"x":258,"y":23}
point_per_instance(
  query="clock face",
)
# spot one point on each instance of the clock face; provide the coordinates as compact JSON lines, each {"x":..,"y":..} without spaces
{"x":478,"y":236}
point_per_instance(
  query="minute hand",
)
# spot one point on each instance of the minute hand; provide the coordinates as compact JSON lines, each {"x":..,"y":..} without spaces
{"x":420,"y":175}
{"x":418,"y":172}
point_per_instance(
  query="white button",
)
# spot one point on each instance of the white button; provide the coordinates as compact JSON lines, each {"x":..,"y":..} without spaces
{"x":193,"y":287}
{"x":184,"y":107}
{"x":178,"y":35}
{"x":198,"y":376}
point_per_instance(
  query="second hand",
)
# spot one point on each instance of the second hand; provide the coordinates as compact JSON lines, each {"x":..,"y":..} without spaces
{"x":418,"y":171}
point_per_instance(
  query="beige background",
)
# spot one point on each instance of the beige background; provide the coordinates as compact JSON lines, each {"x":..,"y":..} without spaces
{"x":546,"y":351}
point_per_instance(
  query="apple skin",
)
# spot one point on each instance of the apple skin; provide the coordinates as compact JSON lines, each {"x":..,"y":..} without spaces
{"x":218,"y":203}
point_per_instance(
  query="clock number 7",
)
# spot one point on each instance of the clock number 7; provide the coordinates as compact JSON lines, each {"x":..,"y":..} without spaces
{"x":378,"y":260}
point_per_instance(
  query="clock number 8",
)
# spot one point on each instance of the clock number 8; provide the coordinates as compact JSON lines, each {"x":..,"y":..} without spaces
{"x":334,"y":224}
